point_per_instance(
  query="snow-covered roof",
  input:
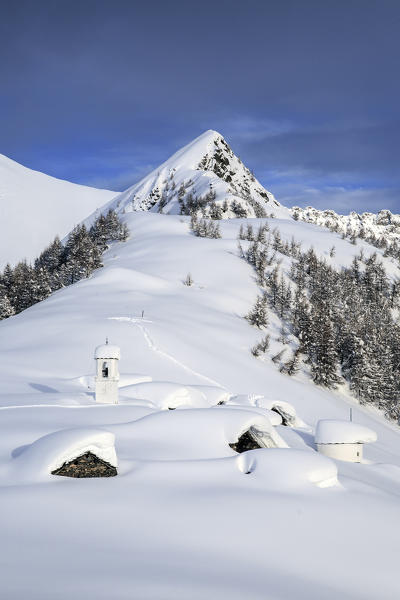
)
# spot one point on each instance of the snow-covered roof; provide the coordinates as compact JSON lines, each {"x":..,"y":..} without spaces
{"x":286,"y":469}
{"x":196,"y":434}
{"x":332,"y":431}
{"x":107,"y":351}
{"x":285,"y":409}
{"x":166,"y":394}
{"x":51,"y":451}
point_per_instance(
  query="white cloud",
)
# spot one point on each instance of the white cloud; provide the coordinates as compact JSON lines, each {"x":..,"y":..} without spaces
{"x":246,"y":128}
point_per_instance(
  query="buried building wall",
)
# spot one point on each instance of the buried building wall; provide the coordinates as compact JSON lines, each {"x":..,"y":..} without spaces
{"x":347,"y":452}
{"x":86,"y":465}
{"x":254,"y":438}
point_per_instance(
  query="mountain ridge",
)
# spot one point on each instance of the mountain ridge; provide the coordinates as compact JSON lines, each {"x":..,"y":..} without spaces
{"x":35,"y":207}
{"x":381,"y":229}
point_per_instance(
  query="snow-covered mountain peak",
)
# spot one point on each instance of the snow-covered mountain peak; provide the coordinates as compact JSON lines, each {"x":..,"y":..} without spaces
{"x":204,"y":176}
{"x":203,"y":145}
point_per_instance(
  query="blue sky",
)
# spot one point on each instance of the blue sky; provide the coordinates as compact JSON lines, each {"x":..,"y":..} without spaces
{"x":307,"y":93}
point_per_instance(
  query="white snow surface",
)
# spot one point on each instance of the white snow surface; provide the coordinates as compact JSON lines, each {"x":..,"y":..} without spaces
{"x":167,"y":394}
{"x":186,"y":517}
{"x":279,"y":469}
{"x":107,"y":351}
{"x":237,"y":403}
{"x":334,"y":431}
{"x":35,"y":207}
{"x":195,"y":434}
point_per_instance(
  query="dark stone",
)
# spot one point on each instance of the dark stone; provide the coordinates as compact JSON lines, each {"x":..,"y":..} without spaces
{"x":286,"y":418}
{"x":244,"y":443}
{"x":86,"y":465}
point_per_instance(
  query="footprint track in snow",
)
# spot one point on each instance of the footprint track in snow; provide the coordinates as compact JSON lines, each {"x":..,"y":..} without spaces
{"x":138,"y":321}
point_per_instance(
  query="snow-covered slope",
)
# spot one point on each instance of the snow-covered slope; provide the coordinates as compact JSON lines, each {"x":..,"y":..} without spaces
{"x":186,"y":517}
{"x":35,"y":207}
{"x":206,"y":170}
{"x":383,"y":225}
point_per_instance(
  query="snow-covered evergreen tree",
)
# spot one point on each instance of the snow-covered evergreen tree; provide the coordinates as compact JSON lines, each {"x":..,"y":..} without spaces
{"x":258,"y":316}
{"x":6,"y":308}
{"x":58,"y":265}
{"x":291,"y":366}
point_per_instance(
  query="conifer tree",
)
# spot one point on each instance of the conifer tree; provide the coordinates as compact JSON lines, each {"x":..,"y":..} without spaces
{"x":7,"y":277}
{"x":21,"y":292}
{"x":324,"y":360}
{"x":261,"y":347}
{"x":51,"y":257}
{"x":41,"y":285}
{"x":292,"y":366}
{"x":258,"y":316}
{"x":58,"y":265}
{"x":6,"y":309}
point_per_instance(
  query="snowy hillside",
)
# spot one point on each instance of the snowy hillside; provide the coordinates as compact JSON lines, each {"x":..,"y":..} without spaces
{"x":207,"y":175}
{"x":382,"y":228}
{"x":35,"y":207}
{"x":186,"y":516}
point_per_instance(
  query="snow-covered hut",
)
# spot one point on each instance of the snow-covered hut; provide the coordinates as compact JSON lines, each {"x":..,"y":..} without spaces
{"x":342,"y":440}
{"x":78,"y":452}
{"x":107,"y":375}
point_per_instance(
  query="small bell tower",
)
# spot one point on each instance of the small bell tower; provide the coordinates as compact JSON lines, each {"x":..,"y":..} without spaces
{"x":107,"y":375}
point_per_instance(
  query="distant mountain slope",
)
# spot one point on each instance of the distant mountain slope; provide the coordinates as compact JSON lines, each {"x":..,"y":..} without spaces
{"x":34,"y":207}
{"x":206,"y":175}
{"x":381,"y":229}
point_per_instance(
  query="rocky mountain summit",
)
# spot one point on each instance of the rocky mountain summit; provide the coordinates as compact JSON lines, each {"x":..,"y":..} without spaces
{"x":204,"y":177}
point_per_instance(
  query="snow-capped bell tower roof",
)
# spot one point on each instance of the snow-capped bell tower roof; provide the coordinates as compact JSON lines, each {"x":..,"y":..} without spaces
{"x":107,"y":351}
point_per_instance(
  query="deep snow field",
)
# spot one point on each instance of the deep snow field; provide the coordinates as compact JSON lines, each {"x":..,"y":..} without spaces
{"x":35,"y":207}
{"x":186,"y":517}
